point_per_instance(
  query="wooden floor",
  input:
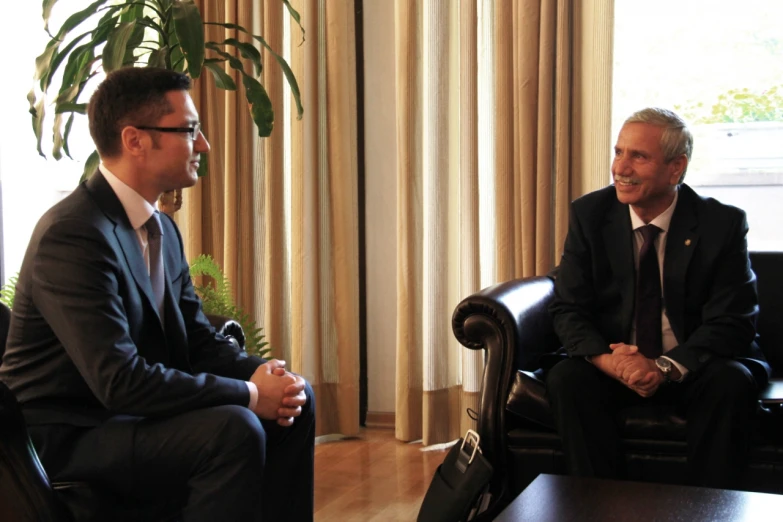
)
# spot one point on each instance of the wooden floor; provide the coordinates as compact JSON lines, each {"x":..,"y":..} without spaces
{"x":373,"y":478}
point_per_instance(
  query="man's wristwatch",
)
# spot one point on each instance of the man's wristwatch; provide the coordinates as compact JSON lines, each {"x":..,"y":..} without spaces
{"x":665,"y":365}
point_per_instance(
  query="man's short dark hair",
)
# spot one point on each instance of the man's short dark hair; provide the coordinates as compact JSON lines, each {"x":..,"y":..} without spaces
{"x":130,"y":96}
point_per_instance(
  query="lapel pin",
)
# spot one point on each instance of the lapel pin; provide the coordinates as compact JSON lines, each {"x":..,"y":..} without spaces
{"x":687,"y":242}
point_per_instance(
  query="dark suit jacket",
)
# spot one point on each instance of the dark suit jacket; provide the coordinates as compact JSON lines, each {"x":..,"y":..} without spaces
{"x":708,"y":286}
{"x":86,"y":341}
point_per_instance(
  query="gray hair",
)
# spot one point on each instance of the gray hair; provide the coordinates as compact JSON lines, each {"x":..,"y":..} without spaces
{"x":676,"y":139}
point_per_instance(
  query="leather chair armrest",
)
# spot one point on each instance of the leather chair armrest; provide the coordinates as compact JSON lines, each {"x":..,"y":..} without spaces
{"x":529,"y":400}
{"x":511,"y":322}
{"x":25,"y":490}
{"x":229,"y":328}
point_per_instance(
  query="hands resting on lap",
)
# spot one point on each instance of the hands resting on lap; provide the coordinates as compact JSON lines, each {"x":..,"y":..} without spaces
{"x":630,"y":367}
{"x":280,"y":393}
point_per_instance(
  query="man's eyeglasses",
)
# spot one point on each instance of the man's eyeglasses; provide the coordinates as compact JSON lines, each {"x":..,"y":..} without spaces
{"x":194,"y":130}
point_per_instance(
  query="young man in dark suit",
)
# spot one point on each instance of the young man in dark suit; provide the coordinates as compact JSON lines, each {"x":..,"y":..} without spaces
{"x":123,"y":382}
{"x":655,"y":301}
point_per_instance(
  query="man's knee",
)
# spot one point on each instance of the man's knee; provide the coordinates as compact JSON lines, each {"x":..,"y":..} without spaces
{"x":570,"y":376}
{"x":309,"y":406}
{"x":730,"y":380}
{"x":236,"y":427}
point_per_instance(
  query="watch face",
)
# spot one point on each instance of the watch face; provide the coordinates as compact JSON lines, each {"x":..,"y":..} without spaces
{"x":664,"y":364}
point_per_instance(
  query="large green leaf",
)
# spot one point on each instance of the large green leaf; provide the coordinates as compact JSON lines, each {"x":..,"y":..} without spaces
{"x":157,"y":58}
{"x":90,"y":166}
{"x":235,"y":62}
{"x":152,"y":24}
{"x":57,"y":60}
{"x":114,"y":52}
{"x":247,"y":50}
{"x":175,"y":50}
{"x":260,"y":106}
{"x":222,"y":80}
{"x":80,"y":108}
{"x":77,"y":18}
{"x":57,"y":137}
{"x":203,"y":166}
{"x":70,"y":93}
{"x":289,"y":75}
{"x":33,"y":101}
{"x":78,"y":68}
{"x":38,"y":112}
{"x":287,"y":72}
{"x":295,"y":15}
{"x":259,"y":103}
{"x":47,"y":12}
{"x":44,"y":61}
{"x":49,"y":61}
{"x":67,"y":133}
{"x":190,"y":32}
{"x":135,"y":40}
{"x":134,"y":11}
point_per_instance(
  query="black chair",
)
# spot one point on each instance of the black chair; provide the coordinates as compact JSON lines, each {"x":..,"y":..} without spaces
{"x":511,"y":322}
{"x":27,"y":494}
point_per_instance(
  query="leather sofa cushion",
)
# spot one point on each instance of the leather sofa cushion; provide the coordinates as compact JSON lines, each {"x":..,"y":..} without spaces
{"x":527,"y":399}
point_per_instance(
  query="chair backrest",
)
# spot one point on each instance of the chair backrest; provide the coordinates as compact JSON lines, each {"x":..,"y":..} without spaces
{"x":768,"y":267}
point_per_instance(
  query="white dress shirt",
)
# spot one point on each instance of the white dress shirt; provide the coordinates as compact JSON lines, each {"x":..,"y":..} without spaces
{"x":662,"y":221}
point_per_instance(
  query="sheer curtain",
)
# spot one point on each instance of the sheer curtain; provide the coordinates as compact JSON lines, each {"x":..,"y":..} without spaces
{"x":503,"y":111}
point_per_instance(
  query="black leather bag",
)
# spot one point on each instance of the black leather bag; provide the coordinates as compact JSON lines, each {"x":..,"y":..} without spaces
{"x":459,"y":491}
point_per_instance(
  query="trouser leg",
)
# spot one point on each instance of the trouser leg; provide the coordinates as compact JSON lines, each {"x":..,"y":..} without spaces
{"x":584,"y":403}
{"x":719,"y":404}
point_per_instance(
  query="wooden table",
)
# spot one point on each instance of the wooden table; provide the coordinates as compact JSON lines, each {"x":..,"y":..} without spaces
{"x":555,"y":498}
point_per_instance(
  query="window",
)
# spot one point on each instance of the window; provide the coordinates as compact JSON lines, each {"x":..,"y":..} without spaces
{"x":31,"y":184}
{"x":718,"y":65}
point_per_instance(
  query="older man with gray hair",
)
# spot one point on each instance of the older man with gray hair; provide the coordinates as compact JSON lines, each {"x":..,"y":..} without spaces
{"x":655,"y":302}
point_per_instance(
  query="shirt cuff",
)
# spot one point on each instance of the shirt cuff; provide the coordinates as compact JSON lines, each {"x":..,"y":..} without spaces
{"x":683,"y":370}
{"x":253,"y":389}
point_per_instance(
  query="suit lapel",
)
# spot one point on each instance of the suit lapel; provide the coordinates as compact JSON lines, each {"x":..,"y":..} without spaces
{"x":175,"y":324}
{"x":682,"y":240}
{"x":618,"y":238}
{"x":125,"y":234}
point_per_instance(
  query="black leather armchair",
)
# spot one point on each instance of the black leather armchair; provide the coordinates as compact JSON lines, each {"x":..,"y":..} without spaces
{"x":26,"y":493}
{"x":512,"y":323}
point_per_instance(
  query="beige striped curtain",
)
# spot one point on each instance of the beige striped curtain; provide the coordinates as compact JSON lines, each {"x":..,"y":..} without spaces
{"x":502,"y":119}
{"x":280,"y":214}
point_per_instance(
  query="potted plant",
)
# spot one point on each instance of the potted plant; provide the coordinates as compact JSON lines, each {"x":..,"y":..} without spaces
{"x":217,"y":300}
{"x":107,"y":35}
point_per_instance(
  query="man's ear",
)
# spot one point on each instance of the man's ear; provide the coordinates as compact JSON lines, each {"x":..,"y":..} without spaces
{"x":134,"y":141}
{"x":677,"y":168}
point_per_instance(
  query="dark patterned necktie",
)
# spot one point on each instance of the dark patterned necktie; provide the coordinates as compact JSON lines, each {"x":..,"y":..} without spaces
{"x":649,"y":338}
{"x":154,"y":236}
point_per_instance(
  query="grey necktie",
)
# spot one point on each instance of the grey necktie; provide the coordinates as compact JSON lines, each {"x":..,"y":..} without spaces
{"x":154,"y":236}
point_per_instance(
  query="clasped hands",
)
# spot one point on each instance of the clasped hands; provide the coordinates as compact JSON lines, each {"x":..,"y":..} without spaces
{"x":281,"y":394}
{"x":631,"y":368}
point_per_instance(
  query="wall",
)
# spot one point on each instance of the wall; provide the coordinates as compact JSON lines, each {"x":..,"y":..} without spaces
{"x":380,"y":203}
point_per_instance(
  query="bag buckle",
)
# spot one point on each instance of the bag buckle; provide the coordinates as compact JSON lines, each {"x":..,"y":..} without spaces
{"x":474,"y":439}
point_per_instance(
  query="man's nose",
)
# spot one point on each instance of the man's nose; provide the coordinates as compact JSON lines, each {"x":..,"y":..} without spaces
{"x":620,"y":165}
{"x":201,"y":144}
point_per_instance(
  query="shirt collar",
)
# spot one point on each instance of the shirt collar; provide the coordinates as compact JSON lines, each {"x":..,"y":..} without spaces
{"x":136,"y":207}
{"x":662,"y":221}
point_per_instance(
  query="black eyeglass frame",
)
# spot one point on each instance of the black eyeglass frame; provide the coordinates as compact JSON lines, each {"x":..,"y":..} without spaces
{"x":194,"y":131}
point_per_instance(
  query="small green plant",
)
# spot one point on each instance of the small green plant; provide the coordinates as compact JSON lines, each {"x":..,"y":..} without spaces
{"x":217,"y":299}
{"x":737,"y":106}
{"x":8,"y":291}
